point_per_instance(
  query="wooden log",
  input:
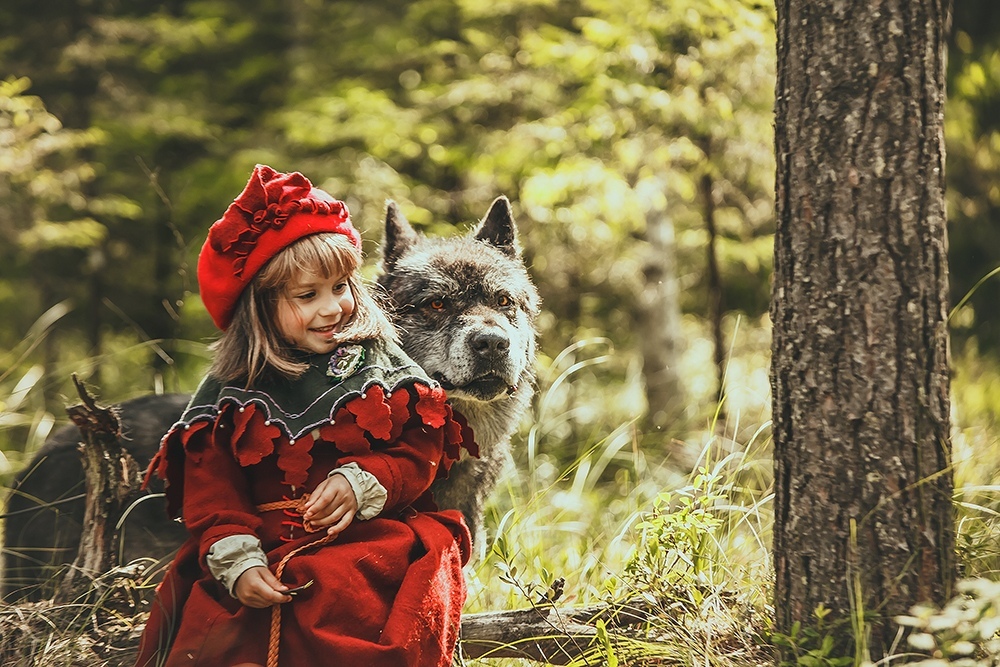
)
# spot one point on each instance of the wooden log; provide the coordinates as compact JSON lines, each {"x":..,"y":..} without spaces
{"x":112,"y":480}
{"x":544,"y":633}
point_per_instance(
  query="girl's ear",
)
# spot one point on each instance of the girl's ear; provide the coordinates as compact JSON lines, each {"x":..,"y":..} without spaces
{"x":399,"y":236}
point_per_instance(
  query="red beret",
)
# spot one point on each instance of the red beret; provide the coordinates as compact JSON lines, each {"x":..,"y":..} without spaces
{"x":273,"y":211}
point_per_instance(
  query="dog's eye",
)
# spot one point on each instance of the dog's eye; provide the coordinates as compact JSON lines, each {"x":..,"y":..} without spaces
{"x":503,"y":301}
{"x":437,"y":304}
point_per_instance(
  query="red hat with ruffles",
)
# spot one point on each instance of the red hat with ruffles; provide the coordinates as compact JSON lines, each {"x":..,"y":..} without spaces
{"x":273,"y":211}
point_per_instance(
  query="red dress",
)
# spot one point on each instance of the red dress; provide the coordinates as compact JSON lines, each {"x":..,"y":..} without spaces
{"x":387,"y":591}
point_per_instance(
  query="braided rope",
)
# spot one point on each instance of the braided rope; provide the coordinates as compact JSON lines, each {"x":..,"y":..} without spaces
{"x":274,"y":637}
{"x":280,"y":505}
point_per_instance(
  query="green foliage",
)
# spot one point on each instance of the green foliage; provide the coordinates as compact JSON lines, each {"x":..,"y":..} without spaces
{"x":814,"y":645}
{"x":674,"y":551}
{"x":972,"y":133}
{"x":591,"y":116}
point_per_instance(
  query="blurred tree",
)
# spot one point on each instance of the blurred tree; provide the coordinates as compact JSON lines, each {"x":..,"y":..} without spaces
{"x":864,"y":523}
{"x":972,"y":133}
{"x":174,"y":129}
{"x":44,"y":215}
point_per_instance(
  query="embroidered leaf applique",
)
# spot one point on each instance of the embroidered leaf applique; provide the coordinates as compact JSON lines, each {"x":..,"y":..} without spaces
{"x":345,"y":434}
{"x":183,"y":435}
{"x":241,"y":417}
{"x":257,"y":438}
{"x":294,"y":458}
{"x":457,"y":436}
{"x":431,"y":406}
{"x":372,"y":412}
{"x":468,"y":436}
{"x":169,"y":461}
{"x":399,"y":412}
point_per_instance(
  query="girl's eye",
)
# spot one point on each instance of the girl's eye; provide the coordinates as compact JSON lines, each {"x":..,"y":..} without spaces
{"x":305,"y":296}
{"x":503,"y":301}
{"x":340,"y":289}
{"x":437,"y":304}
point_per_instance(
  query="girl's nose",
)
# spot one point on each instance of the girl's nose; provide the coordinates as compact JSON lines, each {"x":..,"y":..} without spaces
{"x":330,"y":305}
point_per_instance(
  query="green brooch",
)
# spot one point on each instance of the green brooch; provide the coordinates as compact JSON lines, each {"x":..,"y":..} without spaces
{"x":345,"y":361}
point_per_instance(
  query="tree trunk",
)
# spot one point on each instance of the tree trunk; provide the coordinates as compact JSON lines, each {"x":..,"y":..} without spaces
{"x":859,"y":375}
{"x":714,"y":279}
{"x":660,"y":326}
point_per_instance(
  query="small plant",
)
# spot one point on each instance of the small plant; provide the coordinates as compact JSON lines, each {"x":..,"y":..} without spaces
{"x":676,"y":548}
{"x":812,"y":646}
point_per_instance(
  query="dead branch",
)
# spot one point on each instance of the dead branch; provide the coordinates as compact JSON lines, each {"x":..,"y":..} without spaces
{"x":112,"y":479}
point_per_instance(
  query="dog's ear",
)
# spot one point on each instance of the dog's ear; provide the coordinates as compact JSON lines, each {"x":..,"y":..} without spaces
{"x":498,"y":228}
{"x":399,"y":235}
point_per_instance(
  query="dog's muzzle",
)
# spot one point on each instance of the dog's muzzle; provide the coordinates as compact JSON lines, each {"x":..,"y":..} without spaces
{"x":484,"y":388}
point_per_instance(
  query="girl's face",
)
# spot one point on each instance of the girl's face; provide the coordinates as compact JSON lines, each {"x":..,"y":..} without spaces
{"x":312,"y":310}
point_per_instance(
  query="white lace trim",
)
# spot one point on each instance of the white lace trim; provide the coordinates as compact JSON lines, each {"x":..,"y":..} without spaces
{"x":371,"y":495}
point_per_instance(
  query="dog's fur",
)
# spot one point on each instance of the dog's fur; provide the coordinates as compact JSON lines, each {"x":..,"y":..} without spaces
{"x":465,"y":308}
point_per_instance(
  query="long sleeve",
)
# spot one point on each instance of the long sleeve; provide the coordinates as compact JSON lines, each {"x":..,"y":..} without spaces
{"x":406,"y":467}
{"x":369,"y":493}
{"x":217,"y":500}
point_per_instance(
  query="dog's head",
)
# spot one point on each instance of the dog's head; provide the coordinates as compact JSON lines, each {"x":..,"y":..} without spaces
{"x":465,"y":306}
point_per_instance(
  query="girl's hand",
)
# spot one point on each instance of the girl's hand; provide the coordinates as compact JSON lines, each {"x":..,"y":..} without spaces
{"x":331,"y":505}
{"x":258,"y":587}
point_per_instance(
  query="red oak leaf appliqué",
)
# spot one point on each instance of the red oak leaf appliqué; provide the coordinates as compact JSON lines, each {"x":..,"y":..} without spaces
{"x":294,"y":458}
{"x":257,"y":438}
{"x":345,"y":434}
{"x":372,"y":413}
{"x":431,"y":405}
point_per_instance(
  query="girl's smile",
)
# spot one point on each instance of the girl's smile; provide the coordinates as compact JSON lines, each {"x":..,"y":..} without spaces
{"x":313,"y":310}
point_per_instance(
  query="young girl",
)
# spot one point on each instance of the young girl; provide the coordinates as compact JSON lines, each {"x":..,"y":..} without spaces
{"x":301,"y":465}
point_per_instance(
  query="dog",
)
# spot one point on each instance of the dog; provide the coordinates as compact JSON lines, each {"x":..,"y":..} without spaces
{"x":465,"y":308}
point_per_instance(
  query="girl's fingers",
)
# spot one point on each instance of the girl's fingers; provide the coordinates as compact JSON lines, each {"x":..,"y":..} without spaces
{"x":340,"y":525}
{"x":258,"y":587}
{"x":271,"y":581}
{"x":323,"y":499}
{"x":335,"y":514}
{"x":320,"y":511}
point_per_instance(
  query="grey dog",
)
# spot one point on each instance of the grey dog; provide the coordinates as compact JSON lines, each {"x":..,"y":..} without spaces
{"x":465,"y":308}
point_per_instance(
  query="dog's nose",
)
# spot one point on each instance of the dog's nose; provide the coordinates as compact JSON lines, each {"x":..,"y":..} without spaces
{"x":489,"y":343}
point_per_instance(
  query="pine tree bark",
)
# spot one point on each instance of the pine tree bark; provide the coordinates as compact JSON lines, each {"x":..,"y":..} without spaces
{"x":859,"y":371}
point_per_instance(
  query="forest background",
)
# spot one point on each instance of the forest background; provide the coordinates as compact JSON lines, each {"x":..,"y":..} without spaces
{"x":635,"y":141}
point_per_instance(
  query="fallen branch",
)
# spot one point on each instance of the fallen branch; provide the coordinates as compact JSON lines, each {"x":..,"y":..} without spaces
{"x":544,"y":633}
{"x":107,"y":632}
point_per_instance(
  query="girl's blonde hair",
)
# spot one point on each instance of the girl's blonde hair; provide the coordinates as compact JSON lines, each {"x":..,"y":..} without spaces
{"x":252,"y":346}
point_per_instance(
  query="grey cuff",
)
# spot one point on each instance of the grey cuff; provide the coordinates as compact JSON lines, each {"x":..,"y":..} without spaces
{"x":370,"y":494}
{"x":232,"y":556}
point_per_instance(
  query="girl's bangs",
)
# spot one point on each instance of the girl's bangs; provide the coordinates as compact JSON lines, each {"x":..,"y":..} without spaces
{"x":320,"y":254}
